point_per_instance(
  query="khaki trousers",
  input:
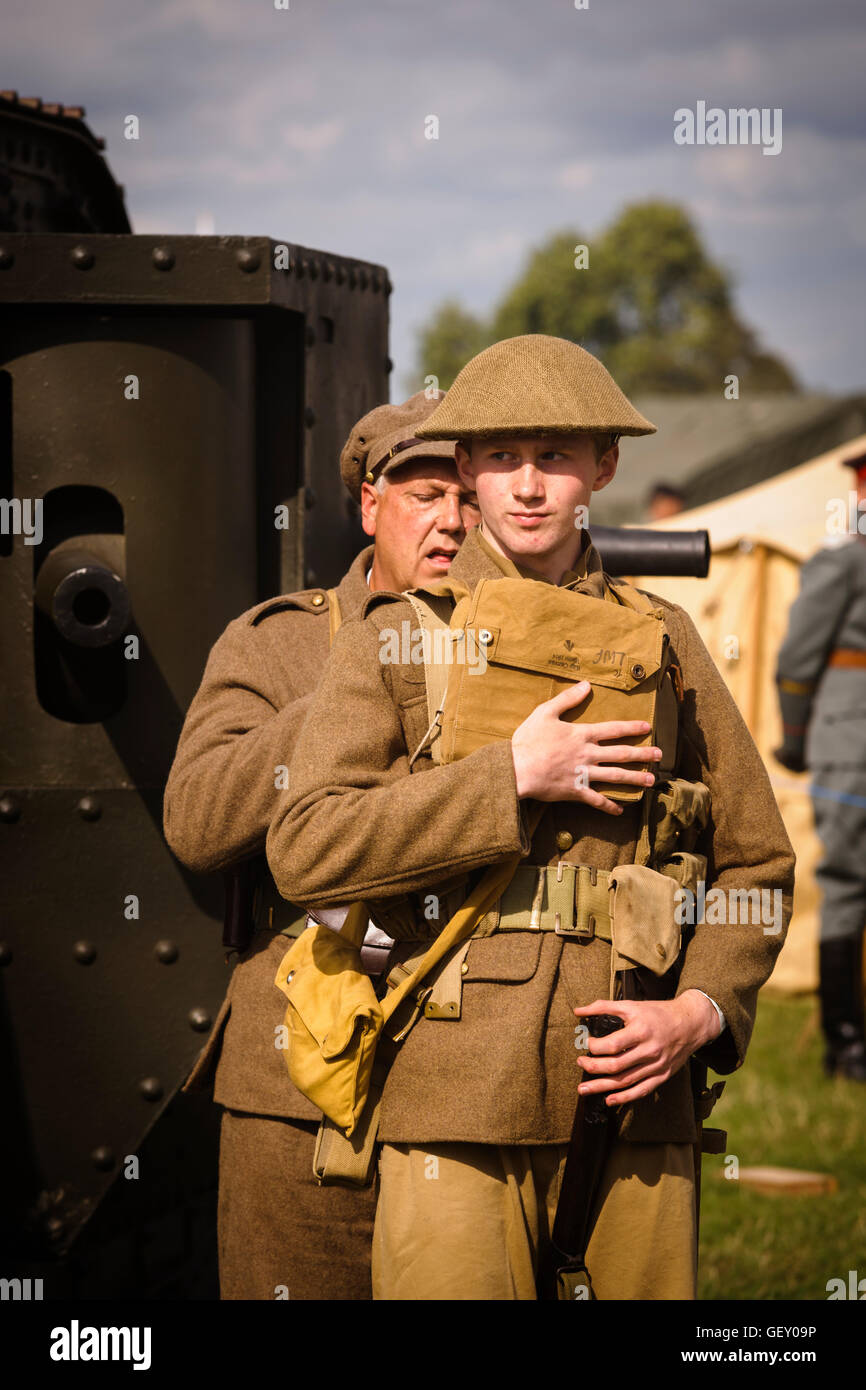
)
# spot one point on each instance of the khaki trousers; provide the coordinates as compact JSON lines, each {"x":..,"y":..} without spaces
{"x":467,"y":1221}
{"x":280,"y":1235}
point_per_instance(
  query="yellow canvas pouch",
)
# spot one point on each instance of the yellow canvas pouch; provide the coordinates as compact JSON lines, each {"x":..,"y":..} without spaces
{"x":333,"y":1018}
{"x":525,"y":641}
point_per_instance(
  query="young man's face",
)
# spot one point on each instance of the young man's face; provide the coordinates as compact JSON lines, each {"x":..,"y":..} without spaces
{"x":419,"y":521}
{"x":530,"y":491}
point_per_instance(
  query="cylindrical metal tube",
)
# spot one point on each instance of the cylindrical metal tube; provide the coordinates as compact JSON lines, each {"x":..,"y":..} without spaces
{"x":640,"y":550}
{"x":86,"y":600}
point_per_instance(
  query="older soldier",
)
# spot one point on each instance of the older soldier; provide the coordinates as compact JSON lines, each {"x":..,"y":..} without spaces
{"x":821,"y":675}
{"x":279,"y":1231}
{"x":478,"y":1105}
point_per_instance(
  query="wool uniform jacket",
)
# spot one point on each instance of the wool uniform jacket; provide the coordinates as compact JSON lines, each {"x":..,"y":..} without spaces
{"x":219,"y":800}
{"x":354,"y":824}
{"x":824,"y":707}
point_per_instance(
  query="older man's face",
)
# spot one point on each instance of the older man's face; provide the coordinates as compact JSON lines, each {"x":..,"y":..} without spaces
{"x":419,"y":522}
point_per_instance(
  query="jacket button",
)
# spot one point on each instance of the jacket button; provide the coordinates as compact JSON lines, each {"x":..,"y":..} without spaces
{"x":661,"y":950}
{"x":318,"y":599}
{"x":464,"y":969}
{"x":290,"y":977}
{"x":638,"y":671}
{"x":564,"y":841}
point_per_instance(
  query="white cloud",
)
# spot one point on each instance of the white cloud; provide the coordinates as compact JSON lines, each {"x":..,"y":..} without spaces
{"x":576,"y":176}
{"x":312,"y":139}
{"x":308,"y":125}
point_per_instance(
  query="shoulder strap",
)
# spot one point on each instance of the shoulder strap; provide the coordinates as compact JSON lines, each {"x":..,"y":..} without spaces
{"x":619,"y":591}
{"x":461,"y":926}
{"x":335,"y":617}
{"x":490,"y":887}
{"x":434,"y":615}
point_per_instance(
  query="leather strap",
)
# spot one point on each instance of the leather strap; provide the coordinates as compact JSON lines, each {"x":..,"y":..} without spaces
{"x":847,"y":656}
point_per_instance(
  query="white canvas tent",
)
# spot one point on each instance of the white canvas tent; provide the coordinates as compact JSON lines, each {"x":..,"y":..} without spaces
{"x":759,"y":538}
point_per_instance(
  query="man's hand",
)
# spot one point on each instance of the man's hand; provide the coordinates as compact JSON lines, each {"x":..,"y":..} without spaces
{"x":658,"y":1038}
{"x":549,"y":753}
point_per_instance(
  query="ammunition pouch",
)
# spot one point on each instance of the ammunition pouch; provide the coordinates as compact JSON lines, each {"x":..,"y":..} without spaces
{"x":520,"y":642}
{"x":678,"y":814}
{"x":687,"y":870}
{"x":643,"y":919}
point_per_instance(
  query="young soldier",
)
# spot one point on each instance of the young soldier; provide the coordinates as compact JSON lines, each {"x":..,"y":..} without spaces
{"x":276,"y":1226}
{"x":478,"y":1105}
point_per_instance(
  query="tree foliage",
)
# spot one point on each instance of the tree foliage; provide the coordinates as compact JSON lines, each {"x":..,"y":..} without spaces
{"x":650,"y":303}
{"x":449,"y":339}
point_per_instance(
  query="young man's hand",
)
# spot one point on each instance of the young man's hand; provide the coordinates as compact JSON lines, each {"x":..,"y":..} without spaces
{"x":553,"y":759}
{"x":658,"y":1038}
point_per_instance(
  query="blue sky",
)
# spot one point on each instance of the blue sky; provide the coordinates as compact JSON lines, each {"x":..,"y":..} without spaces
{"x":307,"y":125}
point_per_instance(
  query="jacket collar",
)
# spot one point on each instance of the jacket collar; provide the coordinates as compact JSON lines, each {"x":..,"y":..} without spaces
{"x":477,"y":560}
{"x":353,"y":589}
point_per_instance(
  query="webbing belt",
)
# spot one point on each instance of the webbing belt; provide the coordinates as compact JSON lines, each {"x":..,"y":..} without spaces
{"x":847,"y":656}
{"x":569,"y":899}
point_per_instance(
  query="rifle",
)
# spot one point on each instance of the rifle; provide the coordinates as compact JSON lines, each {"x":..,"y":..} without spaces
{"x":562,"y":1269}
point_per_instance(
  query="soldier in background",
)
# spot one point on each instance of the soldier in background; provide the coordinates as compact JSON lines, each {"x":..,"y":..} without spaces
{"x":821,"y":675}
{"x":277,"y":1228}
{"x":664,"y":501}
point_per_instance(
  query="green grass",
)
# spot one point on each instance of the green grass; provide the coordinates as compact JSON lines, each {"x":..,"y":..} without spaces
{"x":780,"y":1110}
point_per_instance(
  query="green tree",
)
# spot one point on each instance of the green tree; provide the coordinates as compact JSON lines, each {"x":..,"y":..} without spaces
{"x":650,"y":302}
{"x":446,"y":342}
{"x":551,"y":296}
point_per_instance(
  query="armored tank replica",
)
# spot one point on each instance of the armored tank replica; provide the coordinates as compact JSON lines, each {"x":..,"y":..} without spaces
{"x":171,"y":414}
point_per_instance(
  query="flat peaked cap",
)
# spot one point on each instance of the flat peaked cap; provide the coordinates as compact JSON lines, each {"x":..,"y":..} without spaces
{"x":534,"y":384}
{"x":387,"y":437}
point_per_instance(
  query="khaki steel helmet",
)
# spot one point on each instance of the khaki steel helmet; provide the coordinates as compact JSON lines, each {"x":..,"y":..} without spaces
{"x":534,"y":384}
{"x":386,"y":437}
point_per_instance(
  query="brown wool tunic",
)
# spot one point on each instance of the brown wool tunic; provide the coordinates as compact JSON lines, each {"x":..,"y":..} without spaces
{"x":354,"y":824}
{"x":219,"y":800}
